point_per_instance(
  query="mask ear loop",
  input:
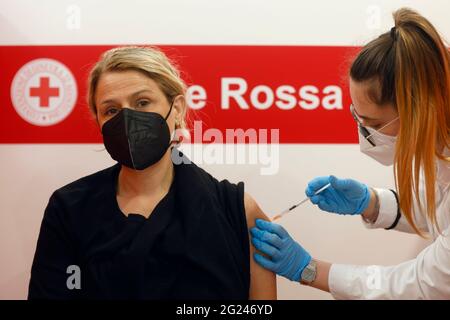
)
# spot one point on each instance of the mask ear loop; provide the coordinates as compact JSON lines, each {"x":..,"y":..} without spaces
{"x":378,"y":131}
{"x":170,"y":110}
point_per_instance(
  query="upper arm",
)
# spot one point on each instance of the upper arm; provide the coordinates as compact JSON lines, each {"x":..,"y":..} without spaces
{"x":262,"y":281}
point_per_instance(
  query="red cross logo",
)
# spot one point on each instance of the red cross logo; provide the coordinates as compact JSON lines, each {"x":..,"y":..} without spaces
{"x":44,"y":92}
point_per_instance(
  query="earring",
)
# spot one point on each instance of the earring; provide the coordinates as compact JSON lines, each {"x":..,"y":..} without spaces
{"x":177,"y":136}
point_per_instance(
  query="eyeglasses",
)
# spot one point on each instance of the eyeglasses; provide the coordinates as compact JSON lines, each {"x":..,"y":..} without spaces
{"x":363,"y":130}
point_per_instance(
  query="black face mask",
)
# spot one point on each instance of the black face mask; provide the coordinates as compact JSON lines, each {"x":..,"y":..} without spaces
{"x":137,"y":139}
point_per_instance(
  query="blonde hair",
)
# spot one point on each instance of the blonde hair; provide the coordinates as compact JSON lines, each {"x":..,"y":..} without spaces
{"x":149,"y":60}
{"x":411,"y":64}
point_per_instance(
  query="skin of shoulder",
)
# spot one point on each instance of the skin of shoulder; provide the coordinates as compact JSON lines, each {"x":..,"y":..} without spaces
{"x":263,"y":284}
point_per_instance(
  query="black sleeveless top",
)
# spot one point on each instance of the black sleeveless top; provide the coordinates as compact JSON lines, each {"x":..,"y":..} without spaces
{"x":194,"y":245}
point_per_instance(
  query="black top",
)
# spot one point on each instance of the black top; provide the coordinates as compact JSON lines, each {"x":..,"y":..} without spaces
{"x":194,"y":245}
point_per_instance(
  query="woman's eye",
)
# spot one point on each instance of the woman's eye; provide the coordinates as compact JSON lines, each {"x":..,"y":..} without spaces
{"x":142,"y":103}
{"x":376,"y":127}
{"x":110,"y":111}
{"x":370,"y":124}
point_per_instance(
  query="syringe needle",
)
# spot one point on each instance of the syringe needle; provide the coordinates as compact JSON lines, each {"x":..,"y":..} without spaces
{"x":278,"y":216}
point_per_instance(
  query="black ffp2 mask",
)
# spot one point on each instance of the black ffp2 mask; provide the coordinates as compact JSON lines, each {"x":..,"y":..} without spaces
{"x":136,"y":139}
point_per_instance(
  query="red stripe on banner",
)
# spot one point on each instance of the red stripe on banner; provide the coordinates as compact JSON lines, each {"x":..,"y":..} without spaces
{"x":300,"y":90}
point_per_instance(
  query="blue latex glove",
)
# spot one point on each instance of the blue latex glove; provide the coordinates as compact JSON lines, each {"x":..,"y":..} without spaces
{"x":344,"y":196}
{"x":286,"y":257}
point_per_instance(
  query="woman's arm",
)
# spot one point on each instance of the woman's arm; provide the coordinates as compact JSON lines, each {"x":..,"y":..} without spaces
{"x":351,"y":197}
{"x":322,"y":276}
{"x":382,"y":212}
{"x":263,"y":284}
{"x":425,"y":277}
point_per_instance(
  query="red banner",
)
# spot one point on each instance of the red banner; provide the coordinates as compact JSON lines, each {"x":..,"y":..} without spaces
{"x":302,"y":91}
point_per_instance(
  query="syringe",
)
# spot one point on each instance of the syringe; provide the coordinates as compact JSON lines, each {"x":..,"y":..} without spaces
{"x":278,"y":216}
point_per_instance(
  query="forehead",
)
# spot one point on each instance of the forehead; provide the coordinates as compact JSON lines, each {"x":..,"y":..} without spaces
{"x":365,"y":106}
{"x":360,"y":92}
{"x":362,"y":102}
{"x":121,"y":83}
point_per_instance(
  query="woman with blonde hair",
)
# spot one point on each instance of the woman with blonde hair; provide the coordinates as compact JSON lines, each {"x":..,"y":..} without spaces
{"x":147,"y":227}
{"x":400,"y":87}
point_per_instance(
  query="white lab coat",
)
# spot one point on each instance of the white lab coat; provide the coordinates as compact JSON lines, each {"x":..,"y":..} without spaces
{"x":425,"y":277}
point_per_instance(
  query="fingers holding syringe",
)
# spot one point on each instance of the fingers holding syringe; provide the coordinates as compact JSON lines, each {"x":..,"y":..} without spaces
{"x":316,"y":184}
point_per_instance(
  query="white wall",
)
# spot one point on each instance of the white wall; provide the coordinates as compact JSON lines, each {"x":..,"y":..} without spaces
{"x":30,"y":173}
{"x":289,"y":22}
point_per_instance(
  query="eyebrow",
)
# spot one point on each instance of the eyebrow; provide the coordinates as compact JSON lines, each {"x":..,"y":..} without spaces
{"x":132,"y":96}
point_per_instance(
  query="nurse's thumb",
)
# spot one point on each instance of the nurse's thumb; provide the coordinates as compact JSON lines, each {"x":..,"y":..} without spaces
{"x":337,"y":183}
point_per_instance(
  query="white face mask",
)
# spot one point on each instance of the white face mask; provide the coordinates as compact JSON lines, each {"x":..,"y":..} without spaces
{"x":382,"y":149}
{"x":375,"y":144}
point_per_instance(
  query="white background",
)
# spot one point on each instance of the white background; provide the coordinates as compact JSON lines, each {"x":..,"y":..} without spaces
{"x":30,"y":173}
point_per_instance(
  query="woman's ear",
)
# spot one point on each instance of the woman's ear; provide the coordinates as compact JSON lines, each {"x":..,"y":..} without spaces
{"x":179,"y":106}
{"x":178,"y":110}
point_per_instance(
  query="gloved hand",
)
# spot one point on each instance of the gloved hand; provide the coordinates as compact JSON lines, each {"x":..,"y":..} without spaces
{"x":344,"y":196}
{"x":286,"y":257}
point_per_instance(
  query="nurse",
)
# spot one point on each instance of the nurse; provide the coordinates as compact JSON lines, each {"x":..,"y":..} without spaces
{"x":400,"y":88}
